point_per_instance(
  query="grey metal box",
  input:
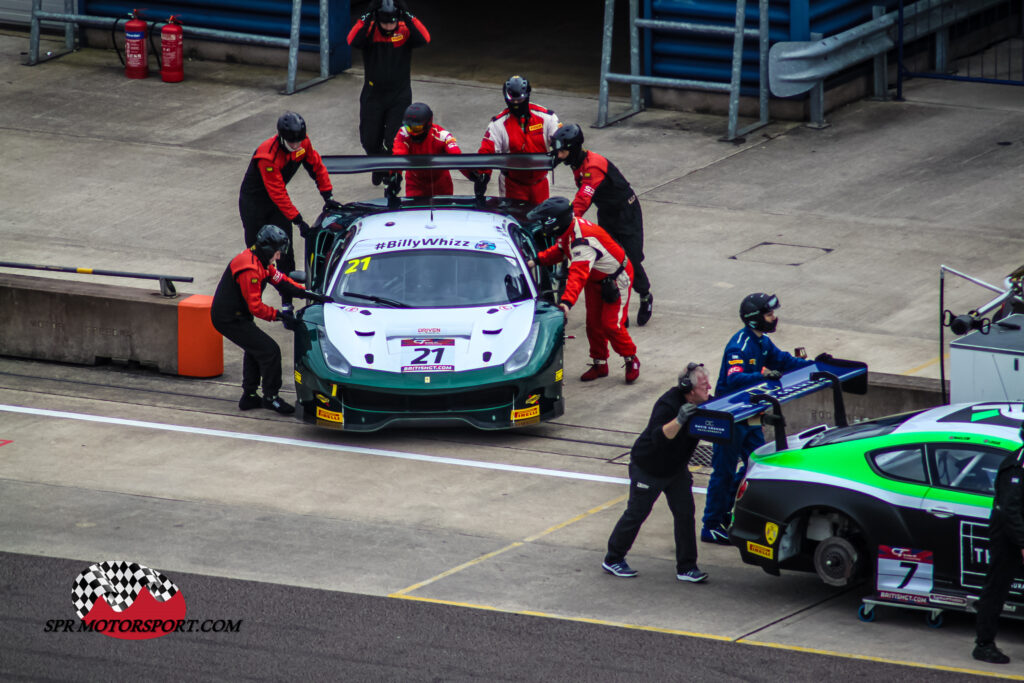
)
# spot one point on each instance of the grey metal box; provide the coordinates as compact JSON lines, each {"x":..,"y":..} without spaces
{"x":989,"y":367}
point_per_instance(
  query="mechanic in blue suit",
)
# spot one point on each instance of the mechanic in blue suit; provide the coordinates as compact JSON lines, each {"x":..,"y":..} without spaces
{"x":750,"y":358}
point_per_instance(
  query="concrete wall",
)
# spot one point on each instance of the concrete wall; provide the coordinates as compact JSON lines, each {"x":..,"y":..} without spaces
{"x":81,"y":322}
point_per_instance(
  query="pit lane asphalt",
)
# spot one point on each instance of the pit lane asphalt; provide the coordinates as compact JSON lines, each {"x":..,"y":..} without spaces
{"x":291,"y":633}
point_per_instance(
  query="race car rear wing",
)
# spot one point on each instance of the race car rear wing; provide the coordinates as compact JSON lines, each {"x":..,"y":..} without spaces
{"x":715,"y":419}
{"x":393,"y":165}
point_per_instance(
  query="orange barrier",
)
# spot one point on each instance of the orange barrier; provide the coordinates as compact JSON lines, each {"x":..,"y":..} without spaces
{"x":200,"y":346}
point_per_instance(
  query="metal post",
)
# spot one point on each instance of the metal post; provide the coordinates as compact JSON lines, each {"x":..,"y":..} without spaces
{"x":606,"y":59}
{"x":324,"y":39}
{"x":899,"y":53}
{"x":763,"y":27}
{"x":942,"y":51}
{"x":69,"y":29}
{"x":293,"y":45}
{"x":881,"y":64}
{"x":33,"y":35}
{"x":817,"y":99}
{"x":737,"y":68}
{"x":634,"y":55}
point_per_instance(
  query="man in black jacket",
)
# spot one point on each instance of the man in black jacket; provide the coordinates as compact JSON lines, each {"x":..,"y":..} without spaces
{"x":1006,"y":554}
{"x":659,"y":464}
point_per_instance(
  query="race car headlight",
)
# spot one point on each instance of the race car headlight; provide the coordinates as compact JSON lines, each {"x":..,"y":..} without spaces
{"x":522,"y":355}
{"x":333,"y":357}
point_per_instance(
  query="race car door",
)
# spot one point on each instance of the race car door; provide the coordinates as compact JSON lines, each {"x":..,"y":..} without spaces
{"x":958,"y":506}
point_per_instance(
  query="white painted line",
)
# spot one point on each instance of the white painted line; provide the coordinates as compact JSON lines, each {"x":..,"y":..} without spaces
{"x":281,"y":441}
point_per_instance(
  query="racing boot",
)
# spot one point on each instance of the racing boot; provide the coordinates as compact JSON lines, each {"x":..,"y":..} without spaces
{"x":646,"y":309}
{"x":249,"y":401}
{"x":599,"y":368}
{"x":632,"y":366}
{"x":278,"y":404}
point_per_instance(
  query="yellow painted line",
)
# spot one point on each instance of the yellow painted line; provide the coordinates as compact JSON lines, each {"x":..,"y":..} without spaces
{"x":529,"y":539}
{"x":547,"y":615}
{"x":84,"y":271}
{"x":921,"y":367}
{"x":882,"y":660}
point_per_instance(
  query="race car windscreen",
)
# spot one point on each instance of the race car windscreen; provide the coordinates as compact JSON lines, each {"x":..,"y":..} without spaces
{"x":861,"y":430}
{"x":430,"y":278}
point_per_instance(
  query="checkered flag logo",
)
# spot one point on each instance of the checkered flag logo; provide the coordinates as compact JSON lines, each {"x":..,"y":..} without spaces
{"x":119,"y":583}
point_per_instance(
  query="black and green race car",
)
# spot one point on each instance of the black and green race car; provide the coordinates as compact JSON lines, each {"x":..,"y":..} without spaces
{"x":905,"y":499}
{"x":437,"y":317}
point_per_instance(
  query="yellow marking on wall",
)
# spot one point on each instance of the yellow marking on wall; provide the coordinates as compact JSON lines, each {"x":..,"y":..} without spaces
{"x":921,"y":367}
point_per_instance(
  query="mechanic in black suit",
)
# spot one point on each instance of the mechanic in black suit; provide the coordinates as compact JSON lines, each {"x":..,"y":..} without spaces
{"x":659,"y":463}
{"x":1006,"y":554}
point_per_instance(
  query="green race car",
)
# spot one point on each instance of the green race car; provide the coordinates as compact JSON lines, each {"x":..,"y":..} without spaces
{"x":904,"y":498}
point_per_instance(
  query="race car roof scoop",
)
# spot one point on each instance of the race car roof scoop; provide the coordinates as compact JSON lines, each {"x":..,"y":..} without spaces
{"x":497,"y":331}
{"x":365,"y":334}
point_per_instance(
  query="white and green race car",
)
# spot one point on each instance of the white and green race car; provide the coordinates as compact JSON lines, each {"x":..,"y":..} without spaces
{"x":905,"y":499}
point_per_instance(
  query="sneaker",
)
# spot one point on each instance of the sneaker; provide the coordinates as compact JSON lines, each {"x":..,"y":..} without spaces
{"x":646,"y":309}
{"x":988,"y":652}
{"x":632,"y":366}
{"x":278,"y":404}
{"x":619,"y":569}
{"x":716,"y":534}
{"x":599,"y":368}
{"x":693,"y":576}
{"x":249,"y":401}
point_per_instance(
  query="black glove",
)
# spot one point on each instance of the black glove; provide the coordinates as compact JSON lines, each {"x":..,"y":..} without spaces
{"x":823,"y":358}
{"x":394,"y":183}
{"x":331,"y":205}
{"x":326,"y":194}
{"x":686,"y":411}
{"x":772,"y":374}
{"x":287,"y":319}
{"x":318,"y":298}
{"x":303,"y":227}
{"x":480,"y":182}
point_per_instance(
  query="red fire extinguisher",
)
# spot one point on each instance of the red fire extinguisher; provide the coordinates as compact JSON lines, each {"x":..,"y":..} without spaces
{"x":172,"y":68}
{"x":136,"y":61}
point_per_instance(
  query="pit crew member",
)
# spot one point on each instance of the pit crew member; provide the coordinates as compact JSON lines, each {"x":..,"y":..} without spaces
{"x":387,"y":35}
{"x":599,"y":267}
{"x":238,"y":298}
{"x":750,"y":358}
{"x":521,"y":128}
{"x":618,"y":210}
{"x":420,"y":135}
{"x":659,"y":463}
{"x":263,"y":198}
{"x":1006,"y":553}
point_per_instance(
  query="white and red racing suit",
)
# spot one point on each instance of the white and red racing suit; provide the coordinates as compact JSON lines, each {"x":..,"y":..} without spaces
{"x":427,"y":183}
{"x":594,"y":256}
{"x":508,"y":134}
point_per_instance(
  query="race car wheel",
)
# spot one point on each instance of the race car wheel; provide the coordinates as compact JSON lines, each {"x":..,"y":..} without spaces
{"x":865,"y":614}
{"x":836,"y":561}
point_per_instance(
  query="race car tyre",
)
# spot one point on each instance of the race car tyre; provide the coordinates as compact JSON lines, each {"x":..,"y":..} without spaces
{"x":836,"y":561}
{"x":934,"y":620}
{"x":865,"y":614}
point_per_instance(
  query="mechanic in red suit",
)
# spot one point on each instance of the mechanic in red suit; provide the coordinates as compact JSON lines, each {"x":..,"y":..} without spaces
{"x":599,"y":267}
{"x":522,"y":128}
{"x":387,"y":35}
{"x":618,"y":210}
{"x":239,"y":297}
{"x":420,"y":135}
{"x":263,"y":198}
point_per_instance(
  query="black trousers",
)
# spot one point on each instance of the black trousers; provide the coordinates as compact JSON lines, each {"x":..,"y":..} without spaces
{"x":380,"y":117}
{"x":1005,"y":562}
{"x":254,"y":216}
{"x":644,"y":490}
{"x":627,"y":228}
{"x":262,"y":359}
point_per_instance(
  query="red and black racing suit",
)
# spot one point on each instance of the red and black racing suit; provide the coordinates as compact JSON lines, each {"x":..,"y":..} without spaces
{"x":427,"y":183}
{"x":238,"y":298}
{"x":594,"y":256}
{"x":263,"y":198}
{"x":387,"y":91}
{"x":618,"y":210}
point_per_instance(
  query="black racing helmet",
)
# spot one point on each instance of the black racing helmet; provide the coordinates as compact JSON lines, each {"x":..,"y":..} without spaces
{"x":517,"y":96}
{"x":554,"y":215}
{"x":387,"y":12}
{"x":753,"y":308}
{"x":417,"y":121}
{"x":291,"y":127}
{"x":269,"y":240}
{"x":569,"y":137}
